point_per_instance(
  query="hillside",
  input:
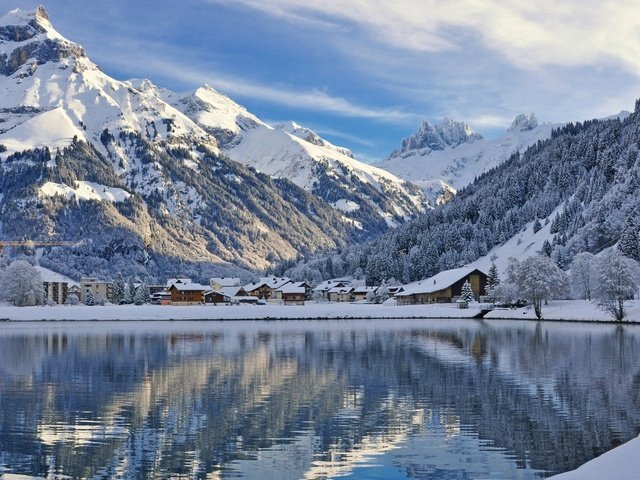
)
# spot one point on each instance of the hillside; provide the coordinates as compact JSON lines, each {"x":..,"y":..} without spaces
{"x":143,"y":177}
{"x":581,"y":184}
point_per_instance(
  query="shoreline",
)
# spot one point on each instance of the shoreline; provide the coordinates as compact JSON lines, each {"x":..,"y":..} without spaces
{"x":580,"y":312}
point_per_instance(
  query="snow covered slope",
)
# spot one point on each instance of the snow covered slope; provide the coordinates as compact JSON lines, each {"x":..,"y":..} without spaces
{"x":136,"y":170}
{"x":445,"y":157}
{"x":302,"y":156}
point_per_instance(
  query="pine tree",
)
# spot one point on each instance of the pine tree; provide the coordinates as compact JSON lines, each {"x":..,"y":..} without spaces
{"x":493,"y":280}
{"x":118,"y":289}
{"x":142,"y":294}
{"x":537,"y":226}
{"x":546,"y":248}
{"x":628,"y":244}
{"x":467,"y":295}
{"x":90,"y":300}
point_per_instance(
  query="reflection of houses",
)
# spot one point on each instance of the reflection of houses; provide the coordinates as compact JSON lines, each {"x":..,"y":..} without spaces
{"x":187,"y":293}
{"x":324,"y":287}
{"x":266,"y":287}
{"x":360,"y":293}
{"x":98,"y":288}
{"x":444,"y":287}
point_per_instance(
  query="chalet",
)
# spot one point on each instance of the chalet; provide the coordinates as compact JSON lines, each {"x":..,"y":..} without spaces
{"x":266,"y":286}
{"x":341,"y":294}
{"x":215,"y":297}
{"x":360,"y":293}
{"x":161,"y":297}
{"x":292,"y":294}
{"x":445,"y":287}
{"x":187,"y":293}
{"x":178,"y":280}
{"x":324,"y":287}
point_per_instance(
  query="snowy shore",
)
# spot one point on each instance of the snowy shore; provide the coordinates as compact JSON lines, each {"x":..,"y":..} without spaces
{"x":621,"y":463}
{"x":311,"y":311}
{"x":577,"y":310}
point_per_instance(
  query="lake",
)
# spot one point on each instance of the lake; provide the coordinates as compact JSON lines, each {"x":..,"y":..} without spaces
{"x":418,"y":399}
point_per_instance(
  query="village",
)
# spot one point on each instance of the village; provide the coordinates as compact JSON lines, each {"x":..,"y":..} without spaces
{"x":446,"y":287}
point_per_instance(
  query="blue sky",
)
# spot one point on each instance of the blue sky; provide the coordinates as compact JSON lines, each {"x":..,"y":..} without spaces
{"x":364,"y":73}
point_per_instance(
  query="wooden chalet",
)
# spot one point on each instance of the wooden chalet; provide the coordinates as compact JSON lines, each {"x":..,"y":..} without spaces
{"x":292,"y":294}
{"x":445,"y":287}
{"x":266,"y":287}
{"x":187,"y":293}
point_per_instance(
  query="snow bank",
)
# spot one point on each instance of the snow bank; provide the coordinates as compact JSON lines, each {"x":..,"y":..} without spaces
{"x":576,"y":310}
{"x":312,"y":311}
{"x":622,"y":463}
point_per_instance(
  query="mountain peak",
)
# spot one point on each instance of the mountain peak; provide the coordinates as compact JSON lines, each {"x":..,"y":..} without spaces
{"x":447,"y":134}
{"x":27,"y":39}
{"x":524,"y":122}
{"x":310,"y":136}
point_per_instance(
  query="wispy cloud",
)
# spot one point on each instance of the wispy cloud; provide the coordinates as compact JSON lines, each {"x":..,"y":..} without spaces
{"x":529,"y":34}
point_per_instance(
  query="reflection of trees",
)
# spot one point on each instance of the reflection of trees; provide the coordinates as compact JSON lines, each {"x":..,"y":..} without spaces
{"x":149,"y":406}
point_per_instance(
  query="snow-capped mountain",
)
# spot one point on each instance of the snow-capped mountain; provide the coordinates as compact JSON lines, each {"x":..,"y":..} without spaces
{"x":370,"y":197}
{"x":445,"y":157}
{"x":140,"y":174}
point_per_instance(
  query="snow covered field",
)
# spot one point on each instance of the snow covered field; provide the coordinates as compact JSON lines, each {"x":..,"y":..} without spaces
{"x":577,"y":310}
{"x":312,"y":311}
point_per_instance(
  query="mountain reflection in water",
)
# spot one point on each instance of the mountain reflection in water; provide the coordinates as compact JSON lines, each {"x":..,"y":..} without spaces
{"x":314,"y":400}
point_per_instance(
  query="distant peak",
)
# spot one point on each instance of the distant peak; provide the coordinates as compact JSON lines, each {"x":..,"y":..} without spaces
{"x":524,"y":122}
{"x":41,"y":13}
{"x":438,"y":136}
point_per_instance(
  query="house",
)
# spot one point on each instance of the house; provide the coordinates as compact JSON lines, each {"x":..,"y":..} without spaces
{"x":177,"y":280}
{"x":266,"y":286}
{"x":323,"y":288}
{"x":161,"y":298}
{"x":445,"y":287}
{"x":219,"y":282}
{"x":292,"y":294}
{"x":360,"y":293}
{"x":187,"y":293}
{"x":341,"y":294}
{"x":99,"y":289}
{"x":215,"y":297}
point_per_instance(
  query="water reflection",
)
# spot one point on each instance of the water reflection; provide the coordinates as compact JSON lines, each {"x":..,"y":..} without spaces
{"x":314,"y":400}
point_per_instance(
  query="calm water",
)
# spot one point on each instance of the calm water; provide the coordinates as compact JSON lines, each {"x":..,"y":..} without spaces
{"x":314,"y":400}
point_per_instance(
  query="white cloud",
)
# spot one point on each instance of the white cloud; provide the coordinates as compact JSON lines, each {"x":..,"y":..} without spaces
{"x":528,"y":34}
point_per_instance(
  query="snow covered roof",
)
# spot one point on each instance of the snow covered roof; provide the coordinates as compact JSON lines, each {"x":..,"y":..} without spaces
{"x":273,"y":283}
{"x":231,"y":291}
{"x":438,"y":282}
{"x":178,"y":280}
{"x":346,"y":289}
{"x":190,"y":287}
{"x":329,"y":284}
{"x":53,"y":277}
{"x":291,"y":288}
{"x":365,"y":289}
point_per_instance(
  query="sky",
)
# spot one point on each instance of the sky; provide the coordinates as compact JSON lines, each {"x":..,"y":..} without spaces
{"x":365,"y":73}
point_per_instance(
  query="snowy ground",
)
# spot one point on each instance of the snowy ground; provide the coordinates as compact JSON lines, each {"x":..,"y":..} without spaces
{"x":622,"y":463}
{"x":310,"y":311}
{"x":577,"y":310}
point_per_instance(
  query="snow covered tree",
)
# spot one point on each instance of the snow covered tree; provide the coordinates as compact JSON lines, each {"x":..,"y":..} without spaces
{"x":537,"y":226}
{"x":118,"y":289}
{"x":466,"y":294}
{"x":629,"y":244}
{"x":493,"y":280}
{"x":142,"y":295}
{"x":72,"y":299}
{"x":129,"y":292}
{"x":538,"y":279}
{"x":21,"y":284}
{"x":90,"y":301}
{"x":583,"y":275}
{"x":616,"y":282}
{"x":547,"y":248}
